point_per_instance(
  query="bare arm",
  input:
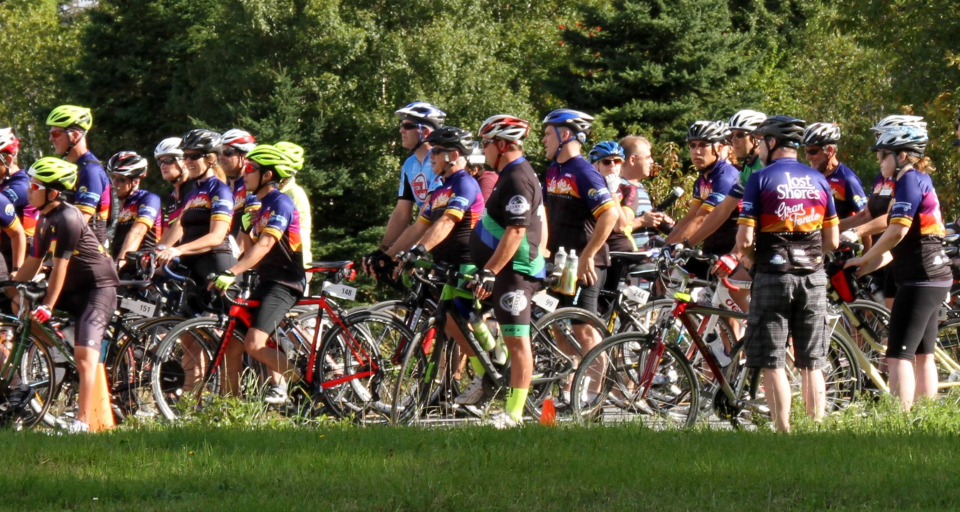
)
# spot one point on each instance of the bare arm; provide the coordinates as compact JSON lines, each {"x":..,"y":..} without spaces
{"x":18,"y":244}
{"x":133,"y":240}
{"x":254,"y":255}
{"x":506,"y":249}
{"x":438,"y":232}
{"x":714,"y":220}
{"x":218,"y":231}
{"x":399,"y":220}
{"x":862,"y":217}
{"x":687,"y":225}
{"x":86,"y":216}
{"x":586,"y":270}
{"x":830,"y":238}
{"x":408,"y":238}
{"x":172,"y":235}
{"x":745,"y":243}
{"x":878,"y":255}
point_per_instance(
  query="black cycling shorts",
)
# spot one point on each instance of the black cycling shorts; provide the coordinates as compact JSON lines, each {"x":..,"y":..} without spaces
{"x":93,"y":310}
{"x":200,"y":267}
{"x":275,"y":302}
{"x":913,"y":320}
{"x":512,"y":296}
{"x":889,"y":282}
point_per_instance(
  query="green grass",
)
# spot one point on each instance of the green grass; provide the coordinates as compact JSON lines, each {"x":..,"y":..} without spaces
{"x":866,"y":459}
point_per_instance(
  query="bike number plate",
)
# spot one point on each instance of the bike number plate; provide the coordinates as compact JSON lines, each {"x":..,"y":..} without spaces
{"x":339,"y":291}
{"x":638,"y":295}
{"x":138,"y":307}
{"x":546,"y":302}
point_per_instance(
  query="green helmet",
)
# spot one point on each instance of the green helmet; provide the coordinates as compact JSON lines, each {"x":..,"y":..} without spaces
{"x":66,"y":116}
{"x":294,"y":151}
{"x":56,"y":173}
{"x":272,"y":157}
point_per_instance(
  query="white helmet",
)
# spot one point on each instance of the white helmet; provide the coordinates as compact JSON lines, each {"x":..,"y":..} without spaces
{"x":476,"y":156}
{"x":747,"y":120}
{"x":169,"y":146}
{"x":9,"y":143}
{"x":505,"y":127}
{"x":821,"y":134}
{"x":239,"y":139}
{"x":899,"y":120}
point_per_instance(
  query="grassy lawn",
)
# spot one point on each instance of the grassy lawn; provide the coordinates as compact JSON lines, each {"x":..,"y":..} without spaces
{"x":903,"y":466}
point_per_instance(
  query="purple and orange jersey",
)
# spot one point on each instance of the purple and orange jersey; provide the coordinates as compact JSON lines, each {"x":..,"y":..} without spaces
{"x":143,"y":207}
{"x":848,"y":195}
{"x":919,"y":256}
{"x":714,"y":184}
{"x":459,"y":196}
{"x":278,"y":218}
{"x":93,"y":193}
{"x":575,"y":195}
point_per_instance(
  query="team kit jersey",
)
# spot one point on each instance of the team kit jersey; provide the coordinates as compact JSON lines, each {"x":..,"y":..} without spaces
{"x":919,"y":257}
{"x":749,"y":168}
{"x":628,"y":197}
{"x":848,"y":194}
{"x":278,"y":217}
{"x":211,"y":200}
{"x":710,"y":189}
{"x":788,"y":204}
{"x":143,"y":207}
{"x":8,"y":220}
{"x":93,"y":193}
{"x":516,"y":200}
{"x":242,"y":203}
{"x":302,"y":203}
{"x":14,"y":188}
{"x":575,"y":195}
{"x":459,"y":195}
{"x":417,"y":179}
{"x":62,"y":234}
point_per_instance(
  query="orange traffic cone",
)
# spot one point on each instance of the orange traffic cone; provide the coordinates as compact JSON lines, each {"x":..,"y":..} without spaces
{"x":548,"y":413}
{"x":101,"y":417}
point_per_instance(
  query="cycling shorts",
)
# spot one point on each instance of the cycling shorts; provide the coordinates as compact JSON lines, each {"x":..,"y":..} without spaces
{"x":201,"y":266}
{"x":512,"y":296}
{"x":785,"y":305}
{"x":913,"y":320}
{"x":93,"y":310}
{"x":276,"y":300}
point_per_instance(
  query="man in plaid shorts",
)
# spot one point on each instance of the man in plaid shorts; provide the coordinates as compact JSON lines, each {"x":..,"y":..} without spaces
{"x":787,"y":222}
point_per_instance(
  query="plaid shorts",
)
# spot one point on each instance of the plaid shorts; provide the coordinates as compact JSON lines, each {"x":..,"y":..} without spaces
{"x":784,"y":306}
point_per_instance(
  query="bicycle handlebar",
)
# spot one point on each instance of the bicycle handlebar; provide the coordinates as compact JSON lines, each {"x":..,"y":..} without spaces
{"x":850,"y":246}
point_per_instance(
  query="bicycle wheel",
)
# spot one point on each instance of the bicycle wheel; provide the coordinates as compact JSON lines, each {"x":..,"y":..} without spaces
{"x":129,"y":363}
{"x":351,"y":377}
{"x":419,"y":395}
{"x":948,"y":340}
{"x":653,"y":382}
{"x":36,"y":370}
{"x":643,"y":319}
{"x":841,"y":374}
{"x":867,"y":326}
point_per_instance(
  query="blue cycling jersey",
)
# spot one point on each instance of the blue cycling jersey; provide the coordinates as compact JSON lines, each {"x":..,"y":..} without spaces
{"x":417,"y":179}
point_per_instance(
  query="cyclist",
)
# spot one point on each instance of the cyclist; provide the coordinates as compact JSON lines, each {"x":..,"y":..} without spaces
{"x":417,"y":121}
{"x":638,"y":165}
{"x":788,"y":222}
{"x":68,"y":133}
{"x":820,"y":147}
{"x":607,"y":157}
{"x":169,"y":158}
{"x":83,"y":280}
{"x":138,"y":226}
{"x":236,"y":144}
{"x":507,"y":245}
{"x":913,"y":243}
{"x":301,"y":201}
{"x":746,"y":146}
{"x":581,"y":214}
{"x":477,"y":167}
{"x":277,"y":256}
{"x":13,"y":184}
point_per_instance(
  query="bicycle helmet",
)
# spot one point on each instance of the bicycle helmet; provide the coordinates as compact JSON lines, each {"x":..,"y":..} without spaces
{"x":902,"y":138}
{"x":239,"y":139}
{"x":899,"y":120}
{"x":273,"y":158}
{"x":421,"y":112}
{"x":710,"y":131}
{"x":476,"y":157}
{"x":576,"y":121}
{"x":203,"y":140}
{"x":9,"y":143}
{"x":747,"y":120}
{"x":127,"y":163}
{"x":787,"y":130}
{"x":169,"y":146}
{"x":607,"y":148}
{"x":504,"y":127}
{"x":55,"y":173}
{"x":821,"y":134}
{"x":294,"y":151}
{"x":67,"y":116}
{"x":452,"y":137}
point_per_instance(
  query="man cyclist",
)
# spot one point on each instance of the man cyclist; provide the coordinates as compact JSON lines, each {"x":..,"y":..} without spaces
{"x":301,"y":201}
{"x":83,"y":280}
{"x":506,"y":245}
{"x":14,"y":183}
{"x":68,"y":133}
{"x":637,"y":166}
{"x":820,"y":147}
{"x":787,"y":224}
{"x":236,"y":144}
{"x":417,"y":121}
{"x":276,"y":254}
{"x":138,"y":225}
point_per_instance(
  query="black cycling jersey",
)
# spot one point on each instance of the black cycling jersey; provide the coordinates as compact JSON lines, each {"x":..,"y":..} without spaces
{"x":575,"y":195}
{"x":143,"y":207}
{"x":212,"y":199}
{"x":63,"y":234}
{"x":278,"y":217}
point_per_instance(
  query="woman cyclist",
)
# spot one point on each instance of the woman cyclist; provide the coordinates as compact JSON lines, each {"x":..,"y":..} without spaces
{"x":608,"y":157}
{"x":138,"y":226}
{"x":912,"y":242}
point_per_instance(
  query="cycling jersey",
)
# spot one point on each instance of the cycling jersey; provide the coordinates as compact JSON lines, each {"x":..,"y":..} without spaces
{"x":176,"y":203}
{"x":789,"y":203}
{"x":641,"y":236}
{"x":919,"y":257}
{"x":143,"y":207}
{"x":211,"y":200}
{"x":14,"y":188}
{"x":302,"y":203}
{"x":848,"y":194}
{"x":628,"y":197}
{"x":516,"y":200}
{"x":749,"y":168}
{"x":417,"y":179}
{"x":239,"y":206}
{"x":278,"y":218}
{"x":63,"y":234}
{"x":882,"y":194}
{"x":575,"y":195}
{"x":710,"y":189}
{"x":93,"y":193}
{"x":459,"y":195}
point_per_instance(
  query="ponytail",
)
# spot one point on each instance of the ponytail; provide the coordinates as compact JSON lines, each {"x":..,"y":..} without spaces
{"x":923,"y":164}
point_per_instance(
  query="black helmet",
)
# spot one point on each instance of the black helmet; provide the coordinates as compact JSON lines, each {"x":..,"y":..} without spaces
{"x":710,"y":131}
{"x":453,"y":138}
{"x":786,"y":129}
{"x":127,"y":163}
{"x":207,"y":141}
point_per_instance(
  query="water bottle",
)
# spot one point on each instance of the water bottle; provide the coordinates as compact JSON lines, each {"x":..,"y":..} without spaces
{"x":559,"y":262}
{"x":569,"y":279}
{"x":481,"y":331}
{"x":716,"y":346}
{"x":500,"y":352}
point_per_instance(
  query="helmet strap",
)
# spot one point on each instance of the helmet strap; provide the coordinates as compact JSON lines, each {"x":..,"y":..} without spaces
{"x":556,"y":130}
{"x":776,"y":144}
{"x":71,"y":145}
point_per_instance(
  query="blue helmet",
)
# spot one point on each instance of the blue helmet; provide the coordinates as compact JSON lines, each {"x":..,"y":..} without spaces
{"x":607,"y":148}
{"x":423,"y":113}
{"x":576,"y":121}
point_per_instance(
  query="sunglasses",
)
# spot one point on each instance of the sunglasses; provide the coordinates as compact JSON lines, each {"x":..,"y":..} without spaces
{"x":120,"y":179}
{"x":487,"y":142}
{"x":698,"y":145}
{"x":408,"y":126}
{"x":36,"y":186}
{"x":56,"y":134}
{"x":885,"y":154}
{"x":251,"y":168}
{"x":230,"y":151}
{"x":611,"y":161}
{"x":813,"y":151}
{"x":167,"y":161}
{"x":739,"y":135}
{"x":193,"y":157}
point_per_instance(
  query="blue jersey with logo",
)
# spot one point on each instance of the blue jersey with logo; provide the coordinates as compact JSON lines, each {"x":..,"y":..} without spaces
{"x":93,"y":193}
{"x":417,"y":179}
{"x":143,"y":207}
{"x":710,"y":189}
{"x":919,"y":257}
{"x":848,"y":194}
{"x":278,"y":217}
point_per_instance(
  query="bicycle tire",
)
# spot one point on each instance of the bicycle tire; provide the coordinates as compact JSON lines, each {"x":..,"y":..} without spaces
{"x":35,"y":370}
